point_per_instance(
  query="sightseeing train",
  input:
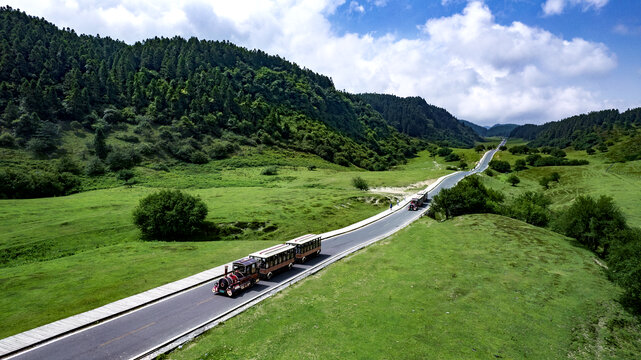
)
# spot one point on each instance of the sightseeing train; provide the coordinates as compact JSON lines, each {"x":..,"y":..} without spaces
{"x":265,"y":263}
{"x":418,"y":201}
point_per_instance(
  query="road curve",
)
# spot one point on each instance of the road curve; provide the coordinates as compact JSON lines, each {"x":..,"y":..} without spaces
{"x":147,"y":328}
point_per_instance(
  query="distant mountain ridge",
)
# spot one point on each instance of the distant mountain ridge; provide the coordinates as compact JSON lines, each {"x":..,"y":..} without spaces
{"x":606,"y":128}
{"x":494,"y":130}
{"x":413,"y":116}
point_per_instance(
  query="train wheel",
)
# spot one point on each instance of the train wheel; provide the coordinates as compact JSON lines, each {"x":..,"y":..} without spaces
{"x":303,"y":259}
{"x":230,"y":293}
{"x":269,"y":275}
{"x":317,"y":251}
{"x":289,"y":267}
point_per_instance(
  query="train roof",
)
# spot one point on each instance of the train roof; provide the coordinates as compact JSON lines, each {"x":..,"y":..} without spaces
{"x":245,"y":261}
{"x":303,"y":239}
{"x":274,"y":250}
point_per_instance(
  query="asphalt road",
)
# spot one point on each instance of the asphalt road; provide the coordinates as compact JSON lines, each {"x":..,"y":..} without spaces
{"x":144,"y":329}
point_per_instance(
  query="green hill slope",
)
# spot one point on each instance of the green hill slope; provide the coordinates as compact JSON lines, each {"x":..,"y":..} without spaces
{"x":478,"y":286}
{"x":174,"y":99}
{"x":415,"y":117}
{"x":599,"y":128}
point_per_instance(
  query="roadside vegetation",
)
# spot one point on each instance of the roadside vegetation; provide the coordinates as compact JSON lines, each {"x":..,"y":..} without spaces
{"x":478,"y":286}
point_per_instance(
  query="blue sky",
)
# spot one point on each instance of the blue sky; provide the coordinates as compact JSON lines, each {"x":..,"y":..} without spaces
{"x":492,"y":61}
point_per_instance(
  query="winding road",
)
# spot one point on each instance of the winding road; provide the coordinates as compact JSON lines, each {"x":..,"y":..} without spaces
{"x":162,"y":325}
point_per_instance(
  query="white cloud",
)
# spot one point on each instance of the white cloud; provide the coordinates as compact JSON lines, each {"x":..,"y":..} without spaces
{"x":356,"y":7}
{"x":467,"y":63}
{"x":556,"y":7}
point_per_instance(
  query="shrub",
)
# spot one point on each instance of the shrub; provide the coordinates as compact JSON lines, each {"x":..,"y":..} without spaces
{"x":469,"y":196}
{"x":513,"y":179}
{"x":94,"y":167}
{"x":624,"y":264}
{"x":270,"y":170}
{"x":479,"y":148}
{"x":67,"y":164}
{"x":311,"y":167}
{"x":360,"y":183}
{"x":503,"y":148}
{"x":530,"y":207}
{"x":519,"y":149}
{"x":169,"y":214}
{"x":500,"y":166}
{"x":489,"y":172}
{"x":519,"y":165}
{"x":125,"y":175}
{"x":452,"y":157}
{"x":558,"y":153}
{"x":444,"y":151}
{"x":462,"y":165}
{"x":25,"y":184}
{"x":220,"y":149}
{"x":590,"y":151}
{"x":122,"y":158}
{"x":7,"y":140}
{"x":199,"y":157}
{"x":592,"y":222}
{"x":531,"y":159}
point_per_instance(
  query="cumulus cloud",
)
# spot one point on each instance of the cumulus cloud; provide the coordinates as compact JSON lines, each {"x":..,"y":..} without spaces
{"x":467,"y":63}
{"x":556,"y":7}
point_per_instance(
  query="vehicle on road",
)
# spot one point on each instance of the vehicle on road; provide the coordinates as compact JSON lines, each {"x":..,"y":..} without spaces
{"x":306,"y":246}
{"x":274,"y":259}
{"x":417,"y":201}
{"x":244,"y":274}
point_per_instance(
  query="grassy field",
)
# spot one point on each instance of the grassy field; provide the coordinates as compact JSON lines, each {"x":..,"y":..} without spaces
{"x":621,"y":181}
{"x":478,"y":286}
{"x":64,"y":255}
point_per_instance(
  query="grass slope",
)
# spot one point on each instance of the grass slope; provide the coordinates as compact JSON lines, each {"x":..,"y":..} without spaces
{"x":478,"y":286}
{"x":621,"y":181}
{"x":64,"y":255}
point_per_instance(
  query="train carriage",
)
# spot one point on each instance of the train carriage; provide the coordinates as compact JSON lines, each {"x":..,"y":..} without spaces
{"x":274,"y":259}
{"x":306,"y":246}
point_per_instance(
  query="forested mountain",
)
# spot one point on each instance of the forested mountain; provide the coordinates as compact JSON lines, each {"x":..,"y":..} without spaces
{"x":496,"y":130}
{"x":582,"y":131}
{"x":188,"y":100}
{"x":415,"y":117}
{"x":479,"y":130}
{"x":501,"y":130}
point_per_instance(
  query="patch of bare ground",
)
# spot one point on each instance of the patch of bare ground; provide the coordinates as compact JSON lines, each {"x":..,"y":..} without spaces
{"x":403,"y":190}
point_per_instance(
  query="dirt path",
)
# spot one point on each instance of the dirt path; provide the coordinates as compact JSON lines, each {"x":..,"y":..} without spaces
{"x":403,"y":190}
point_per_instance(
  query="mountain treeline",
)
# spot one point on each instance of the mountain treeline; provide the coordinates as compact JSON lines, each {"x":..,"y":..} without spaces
{"x":188,"y":99}
{"x":502,"y":130}
{"x":413,"y":116}
{"x":599,"y":129}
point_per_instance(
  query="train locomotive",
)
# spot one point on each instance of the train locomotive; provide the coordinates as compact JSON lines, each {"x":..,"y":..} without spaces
{"x":418,"y":201}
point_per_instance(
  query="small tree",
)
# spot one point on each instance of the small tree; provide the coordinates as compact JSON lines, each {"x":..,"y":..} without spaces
{"x":169,"y":214}
{"x":590,"y":151}
{"x":519,"y":165}
{"x":360,"y":183}
{"x":270,"y":170}
{"x":125,"y":175}
{"x":452,"y":157}
{"x":500,"y":166}
{"x":479,"y":148}
{"x":513,"y":179}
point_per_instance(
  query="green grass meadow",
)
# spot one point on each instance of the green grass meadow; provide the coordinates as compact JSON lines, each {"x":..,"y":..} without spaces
{"x":65,"y":255}
{"x":478,"y":286}
{"x":621,"y":181}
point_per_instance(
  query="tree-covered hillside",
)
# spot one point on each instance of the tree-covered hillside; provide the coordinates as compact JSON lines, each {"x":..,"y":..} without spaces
{"x":596,"y":129}
{"x":187,"y":100}
{"x":479,"y":130}
{"x":415,"y":117}
{"x":501,"y":130}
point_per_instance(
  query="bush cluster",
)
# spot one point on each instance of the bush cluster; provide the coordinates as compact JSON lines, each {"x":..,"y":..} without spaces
{"x":169,"y":215}
{"x":25,"y":184}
